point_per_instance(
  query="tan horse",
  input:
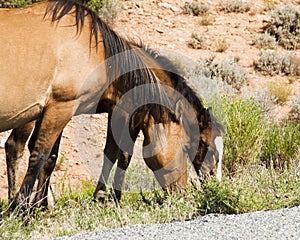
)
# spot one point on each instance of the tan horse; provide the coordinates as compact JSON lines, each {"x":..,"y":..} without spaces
{"x":78,"y":58}
{"x":205,"y":161}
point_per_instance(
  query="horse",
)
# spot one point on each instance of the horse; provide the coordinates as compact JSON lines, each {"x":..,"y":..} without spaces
{"x":16,"y":142}
{"x":56,"y":84}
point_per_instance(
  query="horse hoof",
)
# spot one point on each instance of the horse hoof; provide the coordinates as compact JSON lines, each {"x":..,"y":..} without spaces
{"x":100,"y":196}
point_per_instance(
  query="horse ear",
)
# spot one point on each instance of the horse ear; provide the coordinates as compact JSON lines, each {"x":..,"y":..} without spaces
{"x":179,"y":108}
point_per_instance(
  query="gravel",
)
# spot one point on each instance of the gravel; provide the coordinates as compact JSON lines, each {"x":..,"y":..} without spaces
{"x":277,"y":224}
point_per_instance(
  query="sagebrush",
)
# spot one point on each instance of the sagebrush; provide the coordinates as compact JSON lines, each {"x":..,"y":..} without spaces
{"x":284,"y":25}
{"x":235,"y":6}
{"x":227,"y":71}
{"x":272,"y":62}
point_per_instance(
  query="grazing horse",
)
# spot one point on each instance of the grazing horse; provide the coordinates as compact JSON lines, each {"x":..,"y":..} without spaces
{"x":82,"y":66}
{"x":138,"y":121}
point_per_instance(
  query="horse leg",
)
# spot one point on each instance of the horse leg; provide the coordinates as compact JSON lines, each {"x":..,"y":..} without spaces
{"x":123,"y":163}
{"x":124,"y":159}
{"x":41,"y":198}
{"x":14,"y":149}
{"x":54,"y":120}
{"x":111,"y":151}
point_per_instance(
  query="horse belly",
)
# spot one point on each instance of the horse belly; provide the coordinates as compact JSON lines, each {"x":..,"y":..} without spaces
{"x":18,"y":117}
{"x":27,"y":68}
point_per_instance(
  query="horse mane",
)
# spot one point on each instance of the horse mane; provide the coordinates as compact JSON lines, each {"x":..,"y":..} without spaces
{"x":123,"y":64}
{"x":133,"y":71}
{"x":185,"y":88}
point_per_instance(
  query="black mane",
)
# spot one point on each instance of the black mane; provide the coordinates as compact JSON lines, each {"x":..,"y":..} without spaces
{"x":133,"y":71}
{"x":123,"y":64}
{"x":185,"y":88}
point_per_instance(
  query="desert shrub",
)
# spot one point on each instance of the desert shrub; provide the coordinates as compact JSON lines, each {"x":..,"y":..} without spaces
{"x":270,"y":4}
{"x":221,"y":45}
{"x":284,"y":25}
{"x":206,"y":20}
{"x":294,"y":113}
{"x":281,"y":144}
{"x":227,"y":71}
{"x":197,"y":41}
{"x":272,"y":62}
{"x":244,"y":134}
{"x":279,"y":91}
{"x":195,"y":8}
{"x":235,"y":6}
{"x":265,"y":41}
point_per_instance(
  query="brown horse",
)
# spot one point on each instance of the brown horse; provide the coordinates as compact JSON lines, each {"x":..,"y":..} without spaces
{"x":79,"y":59}
{"x":142,"y":121}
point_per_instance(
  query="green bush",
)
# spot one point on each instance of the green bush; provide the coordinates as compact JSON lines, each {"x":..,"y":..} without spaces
{"x":284,"y":25}
{"x":244,"y":134}
{"x":281,"y":144}
{"x":272,"y":62}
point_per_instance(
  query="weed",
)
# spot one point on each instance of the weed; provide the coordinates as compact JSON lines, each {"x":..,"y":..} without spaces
{"x":235,"y":6}
{"x":244,"y":134}
{"x":221,"y":45}
{"x":265,"y":41}
{"x":197,"y":41}
{"x":206,"y":20}
{"x":279,"y":91}
{"x":280,"y":145}
{"x":60,"y":162}
{"x":195,"y":8}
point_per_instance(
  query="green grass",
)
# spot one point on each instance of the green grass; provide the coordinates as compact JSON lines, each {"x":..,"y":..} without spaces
{"x":257,"y":189}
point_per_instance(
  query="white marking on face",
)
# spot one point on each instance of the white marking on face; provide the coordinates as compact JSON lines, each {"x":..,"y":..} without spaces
{"x":219,"y":146}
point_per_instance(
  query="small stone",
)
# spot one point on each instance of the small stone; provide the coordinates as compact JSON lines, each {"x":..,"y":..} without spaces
{"x":159,"y":30}
{"x":175,"y":9}
{"x":165,"y":5}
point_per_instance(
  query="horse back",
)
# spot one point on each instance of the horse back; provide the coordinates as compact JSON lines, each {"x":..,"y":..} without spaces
{"x":41,"y":62}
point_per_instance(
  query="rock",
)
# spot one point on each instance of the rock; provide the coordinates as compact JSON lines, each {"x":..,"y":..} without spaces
{"x":165,"y":5}
{"x":175,"y":9}
{"x":159,"y":30}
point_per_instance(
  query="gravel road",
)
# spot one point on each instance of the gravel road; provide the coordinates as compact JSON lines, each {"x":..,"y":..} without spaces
{"x":279,"y":224}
